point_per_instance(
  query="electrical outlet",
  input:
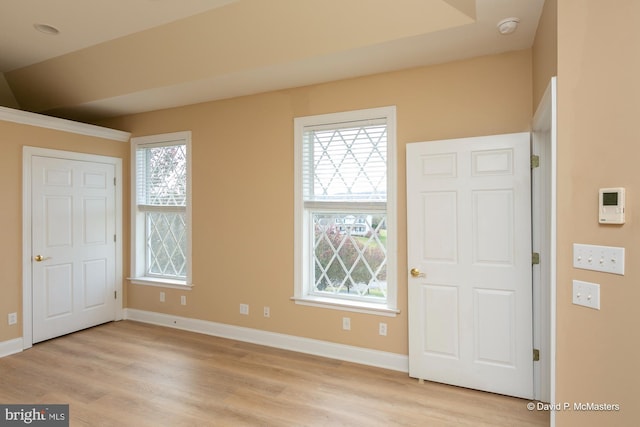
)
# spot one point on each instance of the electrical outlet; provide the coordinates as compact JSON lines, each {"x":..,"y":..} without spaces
{"x":267,"y":312}
{"x":244,"y":309}
{"x":346,"y":323}
{"x":183,"y":300}
{"x":382,"y":329}
{"x":162,"y":297}
{"x":12,"y":318}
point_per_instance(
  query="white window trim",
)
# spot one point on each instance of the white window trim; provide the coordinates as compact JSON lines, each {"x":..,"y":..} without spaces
{"x":138,"y":239}
{"x":302,"y":284}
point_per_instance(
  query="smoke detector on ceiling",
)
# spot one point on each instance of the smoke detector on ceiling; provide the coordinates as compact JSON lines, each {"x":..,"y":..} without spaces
{"x":47,"y":29}
{"x":508,"y":25}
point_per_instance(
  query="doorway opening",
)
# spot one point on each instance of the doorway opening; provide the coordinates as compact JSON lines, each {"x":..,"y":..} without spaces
{"x":543,"y":194}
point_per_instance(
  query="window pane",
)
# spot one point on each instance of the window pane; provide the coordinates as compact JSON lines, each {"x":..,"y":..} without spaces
{"x":166,"y":244}
{"x":162,"y":175}
{"x":349,"y":254}
{"x":348,"y":164}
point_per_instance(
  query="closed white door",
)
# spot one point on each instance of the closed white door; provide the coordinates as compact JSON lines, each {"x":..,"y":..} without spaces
{"x":73,"y":229}
{"x":469,"y":255}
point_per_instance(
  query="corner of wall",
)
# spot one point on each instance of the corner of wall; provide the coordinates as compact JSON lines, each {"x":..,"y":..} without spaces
{"x":7,"y":99}
{"x":545,"y":50}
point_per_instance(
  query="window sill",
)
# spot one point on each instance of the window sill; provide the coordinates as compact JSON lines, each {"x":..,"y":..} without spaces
{"x":355,"y":306}
{"x":161,"y":283}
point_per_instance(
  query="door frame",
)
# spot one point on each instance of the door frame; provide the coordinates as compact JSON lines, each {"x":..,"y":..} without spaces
{"x":544,"y":234}
{"x":27,"y":297}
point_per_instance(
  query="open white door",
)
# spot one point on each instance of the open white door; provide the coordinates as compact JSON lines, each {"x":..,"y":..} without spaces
{"x":74,"y":253}
{"x":469,"y":255}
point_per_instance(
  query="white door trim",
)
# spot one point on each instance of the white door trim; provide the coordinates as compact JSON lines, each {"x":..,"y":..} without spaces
{"x":27,"y":154}
{"x":544,"y":144}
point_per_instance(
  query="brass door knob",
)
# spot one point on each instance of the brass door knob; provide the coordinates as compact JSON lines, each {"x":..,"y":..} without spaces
{"x":416,"y":273}
{"x":38,"y":258}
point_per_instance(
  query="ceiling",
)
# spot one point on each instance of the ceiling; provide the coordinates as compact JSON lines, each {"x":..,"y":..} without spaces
{"x":128,"y":56}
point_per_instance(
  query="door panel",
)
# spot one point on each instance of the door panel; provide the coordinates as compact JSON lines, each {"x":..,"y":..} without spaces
{"x":58,"y":215}
{"x":95,"y":283}
{"x":440,"y":227}
{"x":493,"y":237}
{"x":495,"y":337}
{"x":469,"y":235}
{"x":73,"y":224}
{"x":441,"y":327}
{"x":95,"y":221}
{"x":58,"y":290}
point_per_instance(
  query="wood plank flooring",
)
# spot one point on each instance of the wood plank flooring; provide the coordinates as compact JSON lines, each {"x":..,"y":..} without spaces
{"x":133,"y":374}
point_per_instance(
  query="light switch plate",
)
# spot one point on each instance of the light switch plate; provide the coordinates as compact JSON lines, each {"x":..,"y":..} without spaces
{"x":586,"y":294}
{"x":607,"y":259}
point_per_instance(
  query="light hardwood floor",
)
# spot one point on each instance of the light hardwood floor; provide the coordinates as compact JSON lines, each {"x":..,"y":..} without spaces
{"x":133,"y":374}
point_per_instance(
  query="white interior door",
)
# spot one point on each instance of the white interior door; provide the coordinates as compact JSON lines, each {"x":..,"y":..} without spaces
{"x":73,"y":229}
{"x":469,"y":246}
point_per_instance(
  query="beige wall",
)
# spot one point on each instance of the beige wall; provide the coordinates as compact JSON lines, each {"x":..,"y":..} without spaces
{"x":545,"y":50}
{"x":598,"y":146}
{"x":13,"y":137}
{"x":243,"y":185}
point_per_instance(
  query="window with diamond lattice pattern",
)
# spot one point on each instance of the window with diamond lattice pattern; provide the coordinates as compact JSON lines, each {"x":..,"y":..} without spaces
{"x":166,"y":242}
{"x":345,"y":166}
{"x":161,"y":173}
{"x":349,"y":254}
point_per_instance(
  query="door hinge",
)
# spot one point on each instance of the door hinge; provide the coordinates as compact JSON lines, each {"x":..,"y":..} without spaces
{"x":115,"y":294}
{"x":535,"y":161}
{"x":114,"y":182}
{"x":536,"y":355}
{"x":535,"y":258}
{"x":114,"y":237}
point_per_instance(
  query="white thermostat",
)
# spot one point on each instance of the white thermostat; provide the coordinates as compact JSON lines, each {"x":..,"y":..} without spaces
{"x":611,"y":205}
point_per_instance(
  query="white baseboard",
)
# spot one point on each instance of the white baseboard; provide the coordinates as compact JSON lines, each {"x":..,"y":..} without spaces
{"x":364,"y":356}
{"x":10,"y":347}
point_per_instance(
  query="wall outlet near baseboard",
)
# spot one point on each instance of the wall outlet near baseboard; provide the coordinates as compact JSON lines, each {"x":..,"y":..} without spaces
{"x":382,"y":329}
{"x":267,"y":311}
{"x":346,"y":323}
{"x":183,"y":300}
{"x":244,"y":309}
{"x":12,"y":318}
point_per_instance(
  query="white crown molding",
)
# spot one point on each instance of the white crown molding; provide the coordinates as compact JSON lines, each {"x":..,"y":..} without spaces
{"x":33,"y":119}
{"x":10,"y":347}
{"x":363,"y":356}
